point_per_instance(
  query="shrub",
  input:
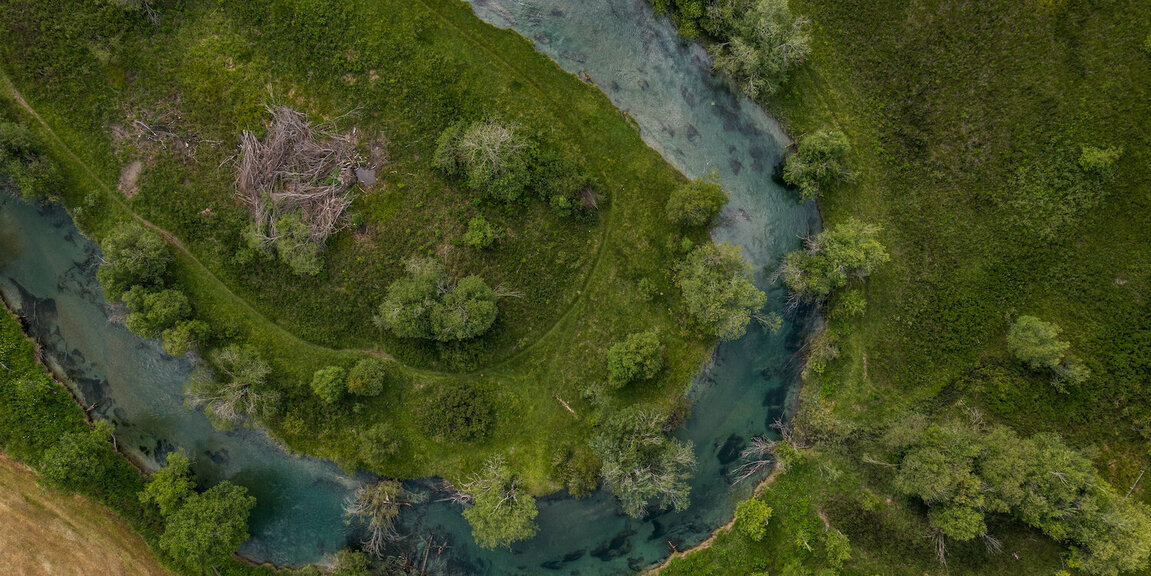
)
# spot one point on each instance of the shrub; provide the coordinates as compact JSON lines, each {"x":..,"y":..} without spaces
{"x":155,"y":312}
{"x":765,"y":43}
{"x":183,"y":337}
{"x":578,"y":470}
{"x":81,"y":461}
{"x":501,"y":512}
{"x":377,"y":444}
{"x":370,"y":375}
{"x":295,"y":246}
{"x":23,"y":163}
{"x":639,"y":357}
{"x":849,"y":250}
{"x":1035,"y":343}
{"x":481,"y":234}
{"x":493,"y":158}
{"x":135,"y":256}
{"x":695,"y":203}
{"x":329,"y":383}
{"x":1099,"y":161}
{"x":642,"y":466}
{"x":455,"y":412}
{"x":751,"y":517}
{"x":427,"y":304}
{"x":717,"y":290}
{"x":817,"y":162}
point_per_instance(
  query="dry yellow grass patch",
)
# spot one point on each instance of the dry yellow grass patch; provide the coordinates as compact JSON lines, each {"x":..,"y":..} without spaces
{"x":45,"y":532}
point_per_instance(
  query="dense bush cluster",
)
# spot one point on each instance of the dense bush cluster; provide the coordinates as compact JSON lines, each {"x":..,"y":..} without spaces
{"x":499,"y":161}
{"x":428,"y":304}
{"x":638,"y":357}
{"x":717,"y":290}
{"x":832,"y":258}
{"x":1036,"y":343}
{"x":695,"y":203}
{"x":501,"y":512}
{"x":964,"y":473}
{"x":25,"y":165}
{"x":642,"y":465}
{"x":817,"y":162}
{"x":455,"y":413}
{"x":136,"y":272}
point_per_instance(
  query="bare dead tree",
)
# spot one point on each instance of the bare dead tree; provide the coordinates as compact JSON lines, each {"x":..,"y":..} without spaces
{"x":378,"y":505}
{"x":298,"y":168}
{"x":757,"y":457}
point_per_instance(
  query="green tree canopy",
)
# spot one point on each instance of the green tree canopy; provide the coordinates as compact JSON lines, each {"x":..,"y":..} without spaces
{"x":642,"y":466}
{"x":717,"y":290}
{"x":848,"y":250}
{"x":695,"y":203}
{"x":751,"y":518}
{"x":236,"y":391}
{"x":329,"y":383}
{"x":170,"y":486}
{"x":501,"y":512}
{"x":154,"y":312}
{"x":765,"y":43}
{"x":134,"y":256}
{"x":817,"y":162}
{"x":81,"y":461}
{"x":428,"y":304}
{"x":492,"y":157}
{"x":370,"y":376}
{"x":208,"y":528}
{"x":1036,"y":343}
{"x":639,"y":357}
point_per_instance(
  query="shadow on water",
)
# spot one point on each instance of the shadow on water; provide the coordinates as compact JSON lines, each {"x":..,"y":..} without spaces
{"x":47,"y":273}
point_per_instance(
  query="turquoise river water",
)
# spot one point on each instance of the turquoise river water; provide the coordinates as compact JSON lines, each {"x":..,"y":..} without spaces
{"x":47,"y":273}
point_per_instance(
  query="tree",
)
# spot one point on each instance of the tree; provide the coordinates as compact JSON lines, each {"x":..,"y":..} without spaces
{"x":208,"y":528}
{"x":492,"y":157}
{"x":751,"y":518}
{"x":370,"y":375}
{"x":183,"y":336}
{"x":154,"y":312}
{"x":642,"y":466}
{"x":170,"y":486}
{"x":133,"y":256}
{"x":695,"y":203}
{"x":1035,"y":343}
{"x":238,"y":394}
{"x":501,"y":512}
{"x":481,"y":234}
{"x":838,"y":548}
{"x":817,"y":162}
{"x":81,"y":461}
{"x":351,"y":563}
{"x":378,"y":505}
{"x":639,"y":357}
{"x":849,"y":250}
{"x":765,"y":43}
{"x":427,"y":304}
{"x":329,"y":383}
{"x":717,"y":290}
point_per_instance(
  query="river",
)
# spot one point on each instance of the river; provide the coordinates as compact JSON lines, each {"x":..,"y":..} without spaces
{"x":47,"y":271}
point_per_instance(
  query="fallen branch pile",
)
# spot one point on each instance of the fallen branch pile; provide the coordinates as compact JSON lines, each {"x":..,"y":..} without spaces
{"x":298,"y":168}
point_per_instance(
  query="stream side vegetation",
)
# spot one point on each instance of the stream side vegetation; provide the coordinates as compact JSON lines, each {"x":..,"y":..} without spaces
{"x":244,"y":124}
{"x":928,"y":405}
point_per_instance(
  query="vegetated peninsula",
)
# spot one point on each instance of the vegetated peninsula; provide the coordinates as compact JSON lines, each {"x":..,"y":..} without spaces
{"x":392,"y":235}
{"x":403,"y":240}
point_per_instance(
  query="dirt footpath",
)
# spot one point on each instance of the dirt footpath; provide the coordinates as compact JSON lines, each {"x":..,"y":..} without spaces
{"x":47,"y":533}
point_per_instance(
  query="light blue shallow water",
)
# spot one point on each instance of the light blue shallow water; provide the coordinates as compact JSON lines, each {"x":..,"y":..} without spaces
{"x":683,"y":112}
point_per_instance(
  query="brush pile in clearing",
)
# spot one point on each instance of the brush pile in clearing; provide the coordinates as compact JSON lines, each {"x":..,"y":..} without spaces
{"x":298,"y":168}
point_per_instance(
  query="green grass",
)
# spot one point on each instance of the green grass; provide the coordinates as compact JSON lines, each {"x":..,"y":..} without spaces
{"x":955,"y":112}
{"x":406,"y":69}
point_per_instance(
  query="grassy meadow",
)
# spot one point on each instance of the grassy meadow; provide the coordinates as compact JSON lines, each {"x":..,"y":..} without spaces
{"x":966,"y":120}
{"x":85,"y":77}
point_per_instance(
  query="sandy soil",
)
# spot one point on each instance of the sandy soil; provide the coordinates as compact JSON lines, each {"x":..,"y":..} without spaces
{"x":47,"y":533}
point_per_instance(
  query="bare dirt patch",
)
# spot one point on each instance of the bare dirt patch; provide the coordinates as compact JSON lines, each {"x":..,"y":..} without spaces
{"x":129,"y":174}
{"x":49,"y":533}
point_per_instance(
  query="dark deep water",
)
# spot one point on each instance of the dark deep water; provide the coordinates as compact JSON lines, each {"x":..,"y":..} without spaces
{"x":47,"y":272}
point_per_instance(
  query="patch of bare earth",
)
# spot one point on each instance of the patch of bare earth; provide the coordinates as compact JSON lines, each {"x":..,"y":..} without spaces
{"x":129,"y":174}
{"x":48,"y":533}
